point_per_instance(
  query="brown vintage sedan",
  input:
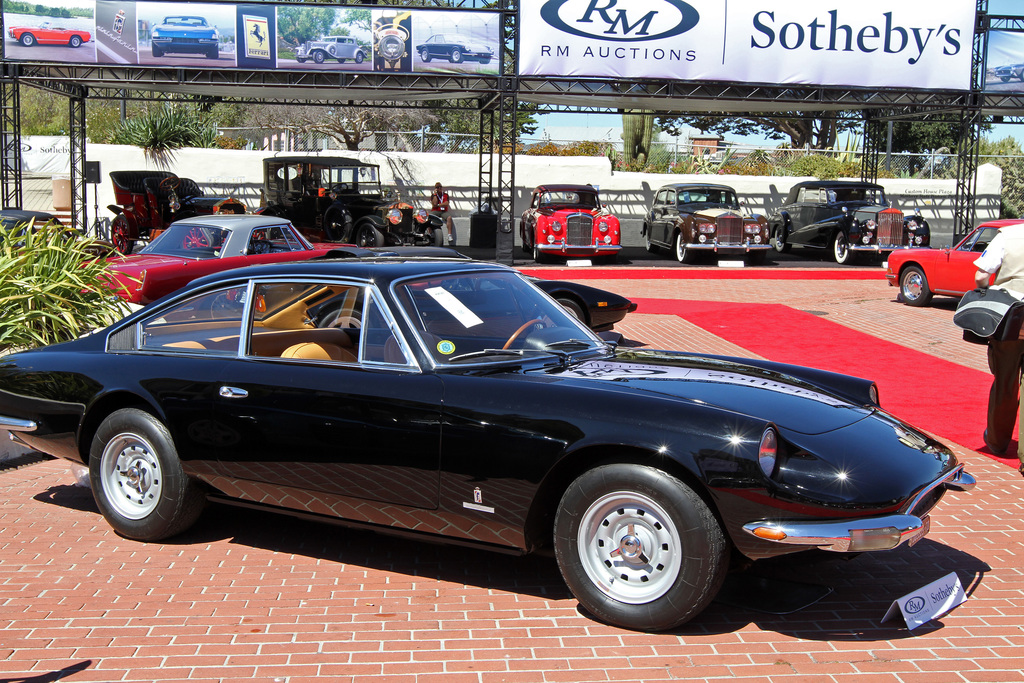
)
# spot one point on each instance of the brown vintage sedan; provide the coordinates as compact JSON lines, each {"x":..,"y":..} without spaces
{"x":694,"y":218}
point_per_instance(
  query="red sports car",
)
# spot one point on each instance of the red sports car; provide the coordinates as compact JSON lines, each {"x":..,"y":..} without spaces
{"x":920,"y":273}
{"x":199,"y":246}
{"x":48,"y":34}
{"x":568,"y":220}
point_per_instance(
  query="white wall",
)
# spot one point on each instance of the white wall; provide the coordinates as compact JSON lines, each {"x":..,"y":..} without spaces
{"x":240,"y":173}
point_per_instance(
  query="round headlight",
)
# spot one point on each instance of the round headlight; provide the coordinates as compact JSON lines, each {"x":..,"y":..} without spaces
{"x":911,"y":224}
{"x":866,"y":239}
{"x":420,"y":215}
{"x":869,"y":224}
{"x":757,"y":239}
{"x":702,"y":238}
{"x":768,"y":451}
{"x":556,"y":226}
{"x":603,"y":226}
{"x":395,"y":216}
{"x":918,"y":239}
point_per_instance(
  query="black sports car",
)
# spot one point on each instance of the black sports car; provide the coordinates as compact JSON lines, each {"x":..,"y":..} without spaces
{"x":454,"y":399}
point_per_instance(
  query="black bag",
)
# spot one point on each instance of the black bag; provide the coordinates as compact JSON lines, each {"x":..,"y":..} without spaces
{"x":991,"y":314}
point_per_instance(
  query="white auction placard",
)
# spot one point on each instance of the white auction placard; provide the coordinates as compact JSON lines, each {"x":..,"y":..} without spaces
{"x":866,"y":43}
{"x":929,"y":602}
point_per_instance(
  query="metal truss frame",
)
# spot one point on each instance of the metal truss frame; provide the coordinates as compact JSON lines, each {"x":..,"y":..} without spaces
{"x":79,"y":200}
{"x":10,"y":140}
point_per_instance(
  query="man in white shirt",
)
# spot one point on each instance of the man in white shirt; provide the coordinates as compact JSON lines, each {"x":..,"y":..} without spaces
{"x":1004,"y":258}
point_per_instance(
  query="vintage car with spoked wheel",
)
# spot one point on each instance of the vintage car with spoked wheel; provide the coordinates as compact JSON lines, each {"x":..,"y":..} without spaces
{"x":922,"y":273}
{"x":453,"y":400}
{"x":339,"y":199}
{"x":567,"y":221}
{"x":845,"y":219}
{"x":149,"y":201}
{"x":693,"y":219}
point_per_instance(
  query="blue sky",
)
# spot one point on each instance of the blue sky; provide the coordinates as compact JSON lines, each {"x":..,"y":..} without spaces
{"x":605,"y":121}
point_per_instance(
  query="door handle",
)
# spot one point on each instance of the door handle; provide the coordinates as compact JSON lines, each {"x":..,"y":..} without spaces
{"x":233,"y":392}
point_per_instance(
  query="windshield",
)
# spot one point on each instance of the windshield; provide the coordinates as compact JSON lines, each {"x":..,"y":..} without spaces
{"x":189,"y":241}
{"x":485,"y":317}
{"x":708,"y":195}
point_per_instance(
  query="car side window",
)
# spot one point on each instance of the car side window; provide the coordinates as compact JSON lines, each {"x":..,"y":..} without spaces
{"x":983,"y":239}
{"x":210,"y":323}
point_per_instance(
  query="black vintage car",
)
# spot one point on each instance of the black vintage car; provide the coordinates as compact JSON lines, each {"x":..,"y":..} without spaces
{"x":455,"y":48}
{"x":341,"y":200}
{"x":847,"y":218}
{"x":454,"y":399}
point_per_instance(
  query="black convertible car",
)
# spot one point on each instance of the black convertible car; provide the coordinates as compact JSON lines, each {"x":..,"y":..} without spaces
{"x":454,"y":398}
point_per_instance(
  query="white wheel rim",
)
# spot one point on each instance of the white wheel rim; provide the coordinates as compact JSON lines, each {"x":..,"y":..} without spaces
{"x":913,"y":286}
{"x":130,"y":475}
{"x":629,"y":547}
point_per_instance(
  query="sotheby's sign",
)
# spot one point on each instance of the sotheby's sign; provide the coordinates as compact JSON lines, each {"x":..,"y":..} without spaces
{"x":871,"y":43}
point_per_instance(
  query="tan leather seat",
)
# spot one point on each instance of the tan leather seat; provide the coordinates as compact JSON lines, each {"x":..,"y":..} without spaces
{"x":311,"y":351}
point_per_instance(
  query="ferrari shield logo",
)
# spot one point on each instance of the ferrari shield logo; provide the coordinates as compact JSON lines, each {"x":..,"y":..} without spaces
{"x":257,"y":37}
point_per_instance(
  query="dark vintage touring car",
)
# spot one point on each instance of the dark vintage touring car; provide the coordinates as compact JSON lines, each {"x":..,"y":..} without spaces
{"x":455,"y":399}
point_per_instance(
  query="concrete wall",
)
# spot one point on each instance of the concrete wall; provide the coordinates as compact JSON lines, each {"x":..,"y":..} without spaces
{"x":240,"y":173}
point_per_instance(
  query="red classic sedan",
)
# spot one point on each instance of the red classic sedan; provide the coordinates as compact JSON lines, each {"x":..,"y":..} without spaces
{"x":566,"y":221}
{"x":48,"y":34}
{"x":199,"y":246}
{"x":921,"y":273}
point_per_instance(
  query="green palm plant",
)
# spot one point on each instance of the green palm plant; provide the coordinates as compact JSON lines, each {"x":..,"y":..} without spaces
{"x":52,"y":287}
{"x":162,"y":132}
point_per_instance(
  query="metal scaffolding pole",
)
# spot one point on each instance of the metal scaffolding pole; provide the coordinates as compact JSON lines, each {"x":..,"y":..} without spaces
{"x":10,"y":142}
{"x":79,"y":203}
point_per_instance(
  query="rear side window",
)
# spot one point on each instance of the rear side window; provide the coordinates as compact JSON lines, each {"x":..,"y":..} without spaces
{"x":210,"y":323}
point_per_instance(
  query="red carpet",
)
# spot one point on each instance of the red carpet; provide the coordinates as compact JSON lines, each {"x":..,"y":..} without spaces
{"x":913,"y":385}
{"x":702,"y":274}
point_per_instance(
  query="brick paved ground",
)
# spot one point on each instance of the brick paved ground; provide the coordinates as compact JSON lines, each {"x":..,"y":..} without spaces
{"x":247,"y":595}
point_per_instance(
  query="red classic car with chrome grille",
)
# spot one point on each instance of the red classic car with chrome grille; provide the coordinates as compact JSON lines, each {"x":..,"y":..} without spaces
{"x":566,"y":221}
{"x":48,"y":34}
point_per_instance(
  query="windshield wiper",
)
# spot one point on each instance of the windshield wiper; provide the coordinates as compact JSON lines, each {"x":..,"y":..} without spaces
{"x":569,"y":344}
{"x":486,"y":352}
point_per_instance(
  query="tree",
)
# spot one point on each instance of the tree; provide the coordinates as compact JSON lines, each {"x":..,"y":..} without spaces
{"x":637,"y":131}
{"x":296,"y":25}
{"x":804,"y":130}
{"x":349,"y":126}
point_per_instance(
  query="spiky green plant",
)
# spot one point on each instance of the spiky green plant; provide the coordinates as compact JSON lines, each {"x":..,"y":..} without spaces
{"x":162,"y":132}
{"x":52,"y":287}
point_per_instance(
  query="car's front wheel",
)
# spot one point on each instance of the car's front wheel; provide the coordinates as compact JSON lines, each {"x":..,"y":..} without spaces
{"x":28,"y":40}
{"x":359,"y":58}
{"x":779,"y":241}
{"x":638,"y":547}
{"x":841,"y":249}
{"x":75,"y":41}
{"x":137,"y":479}
{"x":683,"y":252}
{"x":914,"y":288}
{"x":425,"y":55}
{"x":319,"y":57}
{"x":369,"y":236}
{"x":456,"y":55}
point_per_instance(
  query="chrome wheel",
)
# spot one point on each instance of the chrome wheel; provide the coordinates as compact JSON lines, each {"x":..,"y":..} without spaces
{"x":629,"y":547}
{"x":131,"y":476}
{"x":914,"y":287}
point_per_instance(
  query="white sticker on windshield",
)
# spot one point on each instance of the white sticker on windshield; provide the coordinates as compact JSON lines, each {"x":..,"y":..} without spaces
{"x":451,"y":304}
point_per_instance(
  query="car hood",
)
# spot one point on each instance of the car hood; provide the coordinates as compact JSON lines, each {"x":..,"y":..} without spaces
{"x":716,"y":212}
{"x":772,"y":396}
{"x":139,"y":262}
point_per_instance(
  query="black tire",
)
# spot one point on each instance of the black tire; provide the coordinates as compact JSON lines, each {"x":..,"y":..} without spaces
{"x":137,"y":479}
{"x":1004,"y":79}
{"x":300,"y":60}
{"x":359,"y":58}
{"x":334,"y":226}
{"x":682,"y":252}
{"x":437,"y":237}
{"x":538,"y":255}
{"x":914,"y":289}
{"x":574,"y":309}
{"x":76,"y":41}
{"x":121,"y":234}
{"x":368,"y":236}
{"x":757,"y":258}
{"x":650,"y":246}
{"x":319,"y":57}
{"x":779,"y":241}
{"x":841,"y":253}
{"x":425,"y":55}
{"x":638,"y":547}
{"x":456,"y":56}
{"x":157,"y":52}
{"x":213,"y":53}
{"x":28,"y":40}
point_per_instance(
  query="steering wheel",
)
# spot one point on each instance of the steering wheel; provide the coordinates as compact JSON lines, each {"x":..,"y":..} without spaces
{"x":196,"y":239}
{"x":260,"y":247}
{"x":170,"y":183}
{"x":341,"y":187}
{"x":522,"y":328}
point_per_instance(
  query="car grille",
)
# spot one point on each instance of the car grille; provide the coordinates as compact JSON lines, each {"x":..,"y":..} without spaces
{"x":729,"y":228}
{"x":185,"y":41}
{"x":579,"y":229}
{"x":890,"y":227}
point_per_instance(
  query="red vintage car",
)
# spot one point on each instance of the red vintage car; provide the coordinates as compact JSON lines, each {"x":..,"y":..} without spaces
{"x":921,"y":273}
{"x":566,"y":221}
{"x":199,"y":246}
{"x":48,"y":34}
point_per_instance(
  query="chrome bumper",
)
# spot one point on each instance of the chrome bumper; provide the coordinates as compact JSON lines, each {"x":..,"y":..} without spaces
{"x":879,"y":248}
{"x":584,"y":249}
{"x":13,"y":424}
{"x":730,"y":247}
{"x":865,"y":533}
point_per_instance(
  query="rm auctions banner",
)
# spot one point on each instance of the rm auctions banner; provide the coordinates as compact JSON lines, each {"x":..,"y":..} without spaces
{"x":871,"y":43}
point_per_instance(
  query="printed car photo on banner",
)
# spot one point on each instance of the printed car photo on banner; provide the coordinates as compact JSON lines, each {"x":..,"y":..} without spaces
{"x":869,"y":43}
{"x":50,"y":31}
{"x":328,"y":38}
{"x":1004,"y":62}
{"x":186,"y":34}
{"x":456,"y":42}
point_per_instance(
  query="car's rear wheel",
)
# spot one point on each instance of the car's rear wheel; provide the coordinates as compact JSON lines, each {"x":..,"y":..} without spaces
{"x":638,"y":547}
{"x":28,"y":40}
{"x":367,"y":236}
{"x":121,"y":234}
{"x":75,"y":41}
{"x":914,"y":288}
{"x":650,"y":246}
{"x":683,"y":252}
{"x":334,"y":225}
{"x":137,"y":479}
{"x":841,"y":249}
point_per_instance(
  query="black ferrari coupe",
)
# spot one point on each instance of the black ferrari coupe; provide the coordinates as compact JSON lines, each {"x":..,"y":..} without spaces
{"x":455,"y":399}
